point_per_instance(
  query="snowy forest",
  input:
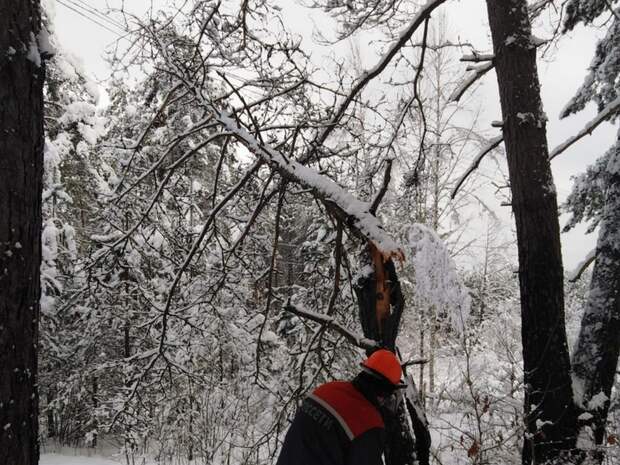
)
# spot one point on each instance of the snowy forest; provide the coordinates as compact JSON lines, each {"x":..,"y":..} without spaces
{"x":262,"y":193}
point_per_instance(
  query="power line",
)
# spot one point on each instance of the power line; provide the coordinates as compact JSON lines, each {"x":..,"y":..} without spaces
{"x":116,"y":33}
{"x":85,"y":6}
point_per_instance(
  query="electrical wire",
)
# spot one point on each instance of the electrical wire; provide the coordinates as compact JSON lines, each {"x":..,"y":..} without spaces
{"x":89,"y":18}
{"x":98,"y":13}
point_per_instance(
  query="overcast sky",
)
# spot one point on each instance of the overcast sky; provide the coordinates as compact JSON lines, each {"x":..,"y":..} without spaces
{"x":560,"y":74}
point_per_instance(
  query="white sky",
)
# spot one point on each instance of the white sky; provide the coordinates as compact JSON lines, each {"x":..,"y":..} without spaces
{"x":560,"y":76}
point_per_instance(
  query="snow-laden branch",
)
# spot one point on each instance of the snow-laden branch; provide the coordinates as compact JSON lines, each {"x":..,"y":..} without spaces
{"x":583,"y":266}
{"x":493,"y":143}
{"x":608,"y":111}
{"x":330,"y":322}
{"x":478,"y":72}
{"x":369,"y":75}
{"x":352,"y":212}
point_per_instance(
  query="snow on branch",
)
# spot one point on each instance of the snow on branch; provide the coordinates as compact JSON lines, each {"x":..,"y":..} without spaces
{"x":351,"y":211}
{"x":609,"y":111}
{"x":582,"y":267}
{"x":330,"y":322}
{"x":493,"y":143}
{"x":369,"y":75}
{"x":478,"y":72}
{"x":354,"y":213}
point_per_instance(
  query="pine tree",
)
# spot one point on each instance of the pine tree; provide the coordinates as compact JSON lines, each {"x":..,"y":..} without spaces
{"x":550,"y":413}
{"x":22,"y":72}
{"x":596,"y":198}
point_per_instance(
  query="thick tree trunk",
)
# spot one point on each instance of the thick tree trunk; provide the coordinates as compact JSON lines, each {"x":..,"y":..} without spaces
{"x":21,"y":161}
{"x":549,"y":409}
{"x":596,"y":354}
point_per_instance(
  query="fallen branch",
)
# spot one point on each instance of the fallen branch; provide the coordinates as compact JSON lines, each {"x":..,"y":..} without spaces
{"x":354,"y":213}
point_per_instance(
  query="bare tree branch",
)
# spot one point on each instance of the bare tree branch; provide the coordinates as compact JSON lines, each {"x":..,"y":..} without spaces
{"x":478,"y":72}
{"x":384,"y":187}
{"x":330,"y":322}
{"x":493,"y":143}
{"x":368,"y":76}
{"x":583,"y":266}
{"x":253,"y":169}
{"x":478,"y":57}
{"x":610,"y":110}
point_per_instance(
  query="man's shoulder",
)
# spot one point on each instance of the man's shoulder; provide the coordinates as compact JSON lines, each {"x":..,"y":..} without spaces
{"x":350,"y":408}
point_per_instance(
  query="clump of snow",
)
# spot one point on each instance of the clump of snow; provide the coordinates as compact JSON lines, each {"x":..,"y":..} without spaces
{"x":90,"y":125}
{"x":436,"y":283}
{"x":34,"y":54}
{"x":577,"y":390}
{"x":598,"y":401}
{"x":44,"y":40}
{"x":541,"y":423}
{"x":585,"y":440}
{"x":364,"y":272}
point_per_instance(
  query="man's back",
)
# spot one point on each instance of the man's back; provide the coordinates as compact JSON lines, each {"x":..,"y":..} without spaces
{"x":335,"y":425}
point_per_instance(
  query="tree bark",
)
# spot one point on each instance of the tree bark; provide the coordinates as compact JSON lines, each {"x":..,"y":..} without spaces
{"x":549,"y":410}
{"x":21,"y":162}
{"x":595,"y":359}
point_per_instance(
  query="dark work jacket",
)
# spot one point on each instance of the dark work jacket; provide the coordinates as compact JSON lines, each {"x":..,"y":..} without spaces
{"x":335,"y":425}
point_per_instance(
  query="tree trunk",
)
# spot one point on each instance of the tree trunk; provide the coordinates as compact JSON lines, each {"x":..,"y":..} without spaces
{"x":408,"y":439}
{"x":51,"y":421}
{"x":21,"y":162}
{"x":549,"y":409}
{"x":596,"y":353}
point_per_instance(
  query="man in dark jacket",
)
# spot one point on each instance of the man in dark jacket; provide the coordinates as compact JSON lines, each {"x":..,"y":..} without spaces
{"x":340,"y":422}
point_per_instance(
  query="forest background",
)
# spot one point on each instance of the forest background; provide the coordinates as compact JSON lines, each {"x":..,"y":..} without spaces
{"x":206,"y":364}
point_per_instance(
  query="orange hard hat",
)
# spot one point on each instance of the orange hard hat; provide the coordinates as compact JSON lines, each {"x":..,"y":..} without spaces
{"x":386,"y":364}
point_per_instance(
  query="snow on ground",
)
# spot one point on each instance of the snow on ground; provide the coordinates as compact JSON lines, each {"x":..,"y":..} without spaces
{"x":60,"y":459}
